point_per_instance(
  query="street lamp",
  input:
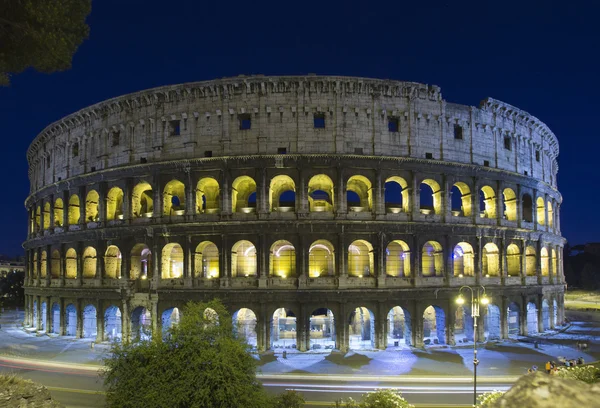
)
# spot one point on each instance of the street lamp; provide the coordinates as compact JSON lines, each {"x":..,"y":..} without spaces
{"x":477,"y":296}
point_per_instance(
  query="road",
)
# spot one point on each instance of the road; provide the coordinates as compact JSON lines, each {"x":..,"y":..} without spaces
{"x":82,"y":388}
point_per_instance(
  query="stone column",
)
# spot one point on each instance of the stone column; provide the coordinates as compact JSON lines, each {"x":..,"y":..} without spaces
{"x":224,"y":262}
{"x":38,"y":306}
{"x":99,"y":322}
{"x":504,"y":318}
{"x":380,"y":327}
{"x":82,"y":207}
{"x":63,"y":265}
{"x":62,"y":329}
{"x":261,"y":328}
{"x":416,"y":270}
{"x":49,"y":320}
{"x":379,"y":194}
{"x":342,"y":330}
{"x":190,"y":196}
{"x":100,"y":253}
{"x":80,"y":250}
{"x":42,"y":215}
{"x":48,"y":264}
{"x":341,"y":253}
{"x":79,"y":320}
{"x":417,"y":325}
{"x":188,"y":261}
{"x":523,"y":317}
{"x":157,"y":197}
{"x":102,"y":192}
{"x":540,"y":313}
{"x":65,"y":198}
{"x":340,"y":193}
{"x":126,"y":334}
{"x":226,"y":205}
{"x":302,"y":194}
{"x":262,"y":197}
{"x":263,"y":261}
{"x":380,"y":267}
{"x":416,"y":197}
{"x":451,"y":323}
{"x":551,"y":312}
{"x":127,"y":194}
{"x":302,"y":333}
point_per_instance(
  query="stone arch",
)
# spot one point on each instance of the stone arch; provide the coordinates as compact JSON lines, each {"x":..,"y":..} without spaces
{"x":321,"y":259}
{"x":527,"y":208}
{"x":434,"y":326}
{"x":361,"y":186}
{"x":55,"y":319}
{"x":510,"y":204}
{"x":244,"y":325}
{"x":461,"y":199}
{"x":320,"y":193}
{"x":114,"y":204}
{"x":545,"y":315}
{"x":172,"y":261}
{"x":396,"y":195}
{"x":397,"y":259}
{"x":550,"y":213}
{"x":55,"y":264}
{"x":361,"y":330}
{"x":70,"y":320}
{"x":513,"y":317}
{"x":492,"y":322}
{"x":430,"y":197}
{"x":463,"y":325}
{"x":463,"y":260}
{"x":47,"y":215}
{"x":174,"y":198}
{"x":432,"y":259}
{"x":530,"y":261}
{"x":142,"y":200}
{"x":283,"y":329}
{"x":59,"y":212}
{"x":322,"y":330}
{"x":360,"y":259}
{"x":513,"y":260}
{"x":91,"y":206}
{"x":141,"y":262}
{"x":71,"y":264}
{"x":487,"y":202}
{"x":141,"y":322}
{"x":112,"y":324}
{"x":541,"y":211}
{"x":282,"y":259}
{"x":89,"y":262}
{"x":282,"y":194}
{"x":243,"y":259}
{"x":44,"y":264}
{"x":208,"y":194}
{"x":112,"y":262}
{"x":545,"y":262}
{"x":532,"y":318}
{"x":74,"y":210}
{"x":206,"y":260}
{"x":89,"y":322}
{"x":399,"y":327}
{"x":170,"y":317}
{"x":242,"y":188}
{"x":490,"y":260}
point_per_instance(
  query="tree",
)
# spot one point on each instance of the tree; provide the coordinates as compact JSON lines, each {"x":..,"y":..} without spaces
{"x":40,"y":34}
{"x":199,"y":363}
{"x":11,"y":287}
{"x":384,"y":398}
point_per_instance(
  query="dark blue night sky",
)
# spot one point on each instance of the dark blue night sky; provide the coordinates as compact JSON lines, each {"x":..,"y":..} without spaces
{"x":540,"y":56}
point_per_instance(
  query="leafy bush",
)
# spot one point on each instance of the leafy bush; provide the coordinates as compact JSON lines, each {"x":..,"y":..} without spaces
{"x":486,"y":400}
{"x":289,"y":399}
{"x":384,"y":398}
{"x":588,"y":374}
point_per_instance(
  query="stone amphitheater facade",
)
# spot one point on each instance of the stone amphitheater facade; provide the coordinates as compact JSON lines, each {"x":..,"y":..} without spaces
{"x":350,"y":210}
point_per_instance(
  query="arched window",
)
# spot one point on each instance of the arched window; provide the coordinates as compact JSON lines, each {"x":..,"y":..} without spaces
{"x":71,"y":264}
{"x":207,"y":196}
{"x":487,"y":202}
{"x":545,"y":262}
{"x":490,"y":260}
{"x":242,"y":188}
{"x":174,"y":198}
{"x":243,"y":259}
{"x":513,"y":260}
{"x":282,"y":194}
{"x":142,"y":201}
{"x":58,"y":212}
{"x":38,"y":212}
{"x":510,"y":204}
{"x":320,"y":193}
{"x":141,"y":262}
{"x":112,"y":263}
{"x":463,"y":260}
{"x":430,"y":197}
{"x":432,"y":259}
{"x":396,"y":195}
{"x":43,"y":264}
{"x":172,"y":261}
{"x":554,"y":262}
{"x":530,"y":261}
{"x":114,"y":204}
{"x":461,"y":199}
{"x":47,"y":215}
{"x":55,"y":265}
{"x":89,"y":262}
{"x":397,"y":259}
{"x":283,"y":259}
{"x":91,"y":206}
{"x":321,"y":259}
{"x":527,"y":204}
{"x":74,"y":210}
{"x":550,"y":214}
{"x":206,"y":261}
{"x":541,"y":211}
{"x":360,"y":259}
{"x":361,"y":186}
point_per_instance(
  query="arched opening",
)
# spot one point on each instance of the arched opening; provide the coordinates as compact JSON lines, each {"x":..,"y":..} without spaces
{"x":530,"y":261}
{"x":321,"y":259}
{"x":71,"y":264}
{"x":112,"y":263}
{"x":89,"y":322}
{"x":362,"y":329}
{"x":320,"y":193}
{"x":282,"y":259}
{"x":55,"y":265}
{"x":243,"y":259}
{"x":541,"y":211}
{"x":141,"y":323}
{"x":112,"y":324}
{"x":141,"y":262}
{"x":361,"y":186}
{"x":434,"y":326}
{"x":44,"y":313}
{"x":283,"y":329}
{"x":174,"y":198}
{"x":430,"y":197}
{"x":70,"y":320}
{"x":396,"y":195}
{"x":545,"y":315}
{"x":460,"y":199}
{"x":114,"y":204}
{"x":43,"y":264}
{"x":55,"y":313}
{"x":243,"y":188}
{"x":74,"y":210}
{"x":487,"y":202}
{"x":38,"y":212}
{"x":172,"y":261}
{"x":527,"y":207}
{"x":322,"y":330}
{"x":554,"y":263}
{"x":35,"y":314}
{"x":490,"y":260}
{"x":491,"y":323}
{"x":360,"y":259}
{"x":397,"y":259}
{"x":432,"y":259}
{"x":169,"y":318}
{"x":211,"y":316}
{"x":463,"y":325}
{"x":207,"y":196}
{"x":244,"y":325}
{"x":282,"y":194}
{"x":513,"y":260}
{"x":142,"y":201}
{"x":91,"y":206}
{"x":513,"y":317}
{"x":47,"y":215}
{"x":399,"y":329}
{"x":550,"y":214}
{"x":510,"y":204}
{"x":206,"y":262}
{"x":532,"y":318}
{"x":89,"y":263}
{"x":545,"y":262}
{"x":59,"y":212}
{"x":463,"y":260}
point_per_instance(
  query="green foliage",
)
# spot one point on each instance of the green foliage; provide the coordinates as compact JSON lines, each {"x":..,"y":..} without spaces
{"x":588,"y":373}
{"x":289,"y":399}
{"x":486,"y":399}
{"x":200,"y":363}
{"x":384,"y":398}
{"x":40,"y":34}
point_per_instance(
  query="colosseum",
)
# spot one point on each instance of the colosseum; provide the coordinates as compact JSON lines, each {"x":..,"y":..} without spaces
{"x":325,"y":212}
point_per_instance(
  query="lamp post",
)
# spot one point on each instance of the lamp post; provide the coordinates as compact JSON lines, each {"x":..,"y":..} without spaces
{"x":477,"y":296}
